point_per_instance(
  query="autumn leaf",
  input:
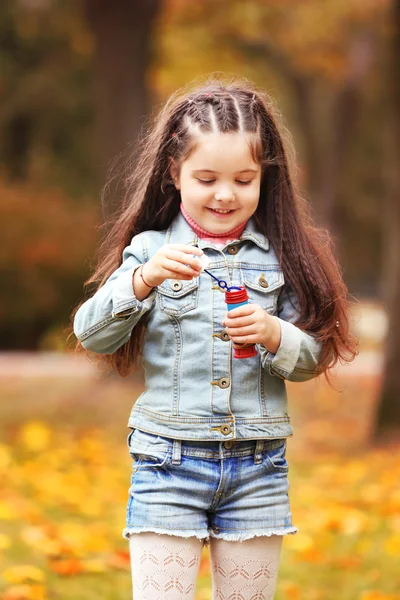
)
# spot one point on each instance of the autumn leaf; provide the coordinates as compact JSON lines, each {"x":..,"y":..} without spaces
{"x":25,"y":592}
{"x":34,"y":436}
{"x":23,"y":573}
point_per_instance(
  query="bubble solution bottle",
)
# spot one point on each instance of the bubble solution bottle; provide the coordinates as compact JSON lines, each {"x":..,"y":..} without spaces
{"x":233,"y":299}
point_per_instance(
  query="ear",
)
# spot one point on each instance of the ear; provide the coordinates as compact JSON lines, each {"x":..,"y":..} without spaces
{"x":174,"y":172}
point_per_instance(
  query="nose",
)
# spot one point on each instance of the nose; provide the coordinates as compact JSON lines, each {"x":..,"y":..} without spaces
{"x":224,"y":194}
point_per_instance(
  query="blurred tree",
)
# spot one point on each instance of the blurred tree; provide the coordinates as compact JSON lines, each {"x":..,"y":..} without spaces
{"x":123,"y":32}
{"x":388,"y":414}
{"x":44,"y":255}
{"x":45,"y":108}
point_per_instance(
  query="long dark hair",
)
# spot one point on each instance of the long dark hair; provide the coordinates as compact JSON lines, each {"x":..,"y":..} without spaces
{"x":151,"y":201}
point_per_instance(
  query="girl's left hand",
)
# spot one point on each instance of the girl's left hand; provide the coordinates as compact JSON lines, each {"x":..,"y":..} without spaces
{"x":251,"y":324}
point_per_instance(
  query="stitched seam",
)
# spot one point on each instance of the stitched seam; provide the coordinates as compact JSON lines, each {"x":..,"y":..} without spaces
{"x":206,"y":420}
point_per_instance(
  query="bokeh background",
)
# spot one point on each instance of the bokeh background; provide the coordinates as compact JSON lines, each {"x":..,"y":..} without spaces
{"x":78,"y":80}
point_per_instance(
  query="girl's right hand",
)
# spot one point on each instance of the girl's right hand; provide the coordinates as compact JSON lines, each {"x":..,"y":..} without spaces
{"x":171,"y":262}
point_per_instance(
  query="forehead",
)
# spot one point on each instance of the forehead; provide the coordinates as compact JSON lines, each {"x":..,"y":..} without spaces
{"x":221,"y":152}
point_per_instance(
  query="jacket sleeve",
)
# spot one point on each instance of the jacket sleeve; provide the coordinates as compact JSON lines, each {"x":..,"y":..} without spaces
{"x":105,"y":321}
{"x":298,"y":353}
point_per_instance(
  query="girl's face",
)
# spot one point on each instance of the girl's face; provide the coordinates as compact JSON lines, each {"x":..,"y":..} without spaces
{"x":219,"y":182}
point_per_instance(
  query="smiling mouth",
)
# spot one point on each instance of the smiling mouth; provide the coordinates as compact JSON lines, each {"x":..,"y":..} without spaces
{"x":221,"y":211}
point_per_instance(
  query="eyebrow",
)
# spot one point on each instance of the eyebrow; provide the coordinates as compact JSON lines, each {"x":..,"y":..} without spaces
{"x":211,"y":171}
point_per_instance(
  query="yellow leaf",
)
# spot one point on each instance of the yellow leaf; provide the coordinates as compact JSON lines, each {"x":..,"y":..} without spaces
{"x":34,"y":436}
{"x":25,"y":592}
{"x":5,"y":541}
{"x":5,"y":457}
{"x":7,"y":512}
{"x":378,"y":595}
{"x":392,"y":545}
{"x":23,"y":573}
{"x":291,"y":590}
{"x":37,"y":538}
{"x":354,"y":522}
{"x":301,"y":541}
{"x":94,"y":566}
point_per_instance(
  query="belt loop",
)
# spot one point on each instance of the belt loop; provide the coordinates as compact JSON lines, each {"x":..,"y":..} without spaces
{"x":257,"y":452}
{"x":176,"y":452}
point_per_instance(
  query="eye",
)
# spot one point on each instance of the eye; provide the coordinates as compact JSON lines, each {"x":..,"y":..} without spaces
{"x":206,"y":180}
{"x":244,"y":182}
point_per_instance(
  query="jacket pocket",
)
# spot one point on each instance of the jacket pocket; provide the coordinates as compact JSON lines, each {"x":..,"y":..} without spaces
{"x":177,"y":297}
{"x":263,"y":286}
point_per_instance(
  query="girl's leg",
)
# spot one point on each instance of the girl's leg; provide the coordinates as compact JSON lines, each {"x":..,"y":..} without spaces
{"x":245,"y":569}
{"x":164,"y":566}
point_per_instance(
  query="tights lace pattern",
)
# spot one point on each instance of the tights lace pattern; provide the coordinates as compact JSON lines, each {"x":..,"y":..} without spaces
{"x":165,"y":567}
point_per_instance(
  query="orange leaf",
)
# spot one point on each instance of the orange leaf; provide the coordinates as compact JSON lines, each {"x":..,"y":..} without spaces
{"x":67,"y":566}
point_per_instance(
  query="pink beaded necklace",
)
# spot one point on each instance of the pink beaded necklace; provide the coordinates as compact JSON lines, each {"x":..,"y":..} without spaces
{"x":224,"y":238}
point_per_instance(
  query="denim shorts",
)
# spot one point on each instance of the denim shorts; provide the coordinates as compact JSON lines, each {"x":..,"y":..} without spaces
{"x":232,"y":490}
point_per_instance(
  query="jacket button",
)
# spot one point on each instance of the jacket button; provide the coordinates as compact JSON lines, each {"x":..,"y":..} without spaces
{"x":224,"y":335}
{"x":222,"y":383}
{"x":176,"y":285}
{"x":263,"y":282}
{"x":226,"y":429}
{"x":228,"y":445}
{"x":233,"y":249}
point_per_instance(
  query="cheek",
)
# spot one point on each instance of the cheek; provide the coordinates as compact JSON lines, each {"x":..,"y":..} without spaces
{"x":195,"y":195}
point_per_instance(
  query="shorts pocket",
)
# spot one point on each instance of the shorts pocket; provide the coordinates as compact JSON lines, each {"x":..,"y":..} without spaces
{"x":274,"y":459}
{"x":148,"y":450}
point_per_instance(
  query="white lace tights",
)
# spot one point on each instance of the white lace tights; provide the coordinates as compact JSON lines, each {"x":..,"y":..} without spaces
{"x":165,"y":567}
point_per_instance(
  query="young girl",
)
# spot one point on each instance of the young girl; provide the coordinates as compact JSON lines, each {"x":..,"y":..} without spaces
{"x":208,"y":436}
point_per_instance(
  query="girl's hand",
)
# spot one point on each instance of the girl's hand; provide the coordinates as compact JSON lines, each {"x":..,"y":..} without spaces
{"x":251,"y":324}
{"x":171,"y":262}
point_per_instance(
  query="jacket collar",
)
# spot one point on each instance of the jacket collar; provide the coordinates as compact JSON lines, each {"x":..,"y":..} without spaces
{"x":180,"y":232}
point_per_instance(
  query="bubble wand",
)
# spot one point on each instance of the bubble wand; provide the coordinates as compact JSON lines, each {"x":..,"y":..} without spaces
{"x":234,"y":296}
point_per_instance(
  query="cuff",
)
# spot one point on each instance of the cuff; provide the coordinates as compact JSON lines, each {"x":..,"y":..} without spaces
{"x":124,"y":299}
{"x":284,"y":361}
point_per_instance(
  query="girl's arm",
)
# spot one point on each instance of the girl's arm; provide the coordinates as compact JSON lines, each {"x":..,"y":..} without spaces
{"x":105,"y":321}
{"x":298,"y":352}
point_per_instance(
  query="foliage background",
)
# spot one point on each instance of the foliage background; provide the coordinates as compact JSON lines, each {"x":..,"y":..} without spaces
{"x":64,"y":467}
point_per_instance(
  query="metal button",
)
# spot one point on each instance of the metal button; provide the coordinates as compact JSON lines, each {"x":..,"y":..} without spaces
{"x":222,"y":383}
{"x":226,"y":429}
{"x":233,"y":249}
{"x":263,"y":282}
{"x":176,"y":285}
{"x":222,"y":335}
{"x":228,"y":445}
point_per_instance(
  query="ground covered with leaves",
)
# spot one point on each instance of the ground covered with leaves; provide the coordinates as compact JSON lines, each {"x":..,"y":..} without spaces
{"x":64,"y":478}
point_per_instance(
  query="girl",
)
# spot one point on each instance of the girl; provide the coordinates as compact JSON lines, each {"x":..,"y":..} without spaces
{"x":208,"y":436}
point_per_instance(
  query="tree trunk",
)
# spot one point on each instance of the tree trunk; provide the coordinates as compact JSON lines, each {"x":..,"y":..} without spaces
{"x":388,"y":412}
{"x":122,"y":30}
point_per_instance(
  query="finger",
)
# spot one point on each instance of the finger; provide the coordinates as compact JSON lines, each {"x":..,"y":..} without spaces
{"x":241,"y":311}
{"x":187,"y":248}
{"x":183,"y":258}
{"x":179,"y":268}
{"x":239,"y":331}
{"x":245,"y":339}
{"x":238,"y":321}
{"x":175,"y":275}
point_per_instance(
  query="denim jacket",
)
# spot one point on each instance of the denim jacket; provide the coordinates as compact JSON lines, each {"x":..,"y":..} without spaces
{"x":194,"y":388}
